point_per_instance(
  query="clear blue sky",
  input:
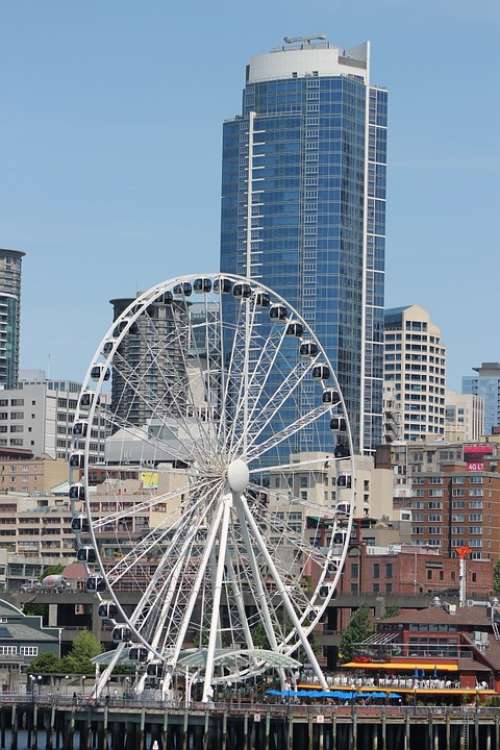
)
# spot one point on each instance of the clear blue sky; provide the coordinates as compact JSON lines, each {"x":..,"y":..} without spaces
{"x":110,"y":140}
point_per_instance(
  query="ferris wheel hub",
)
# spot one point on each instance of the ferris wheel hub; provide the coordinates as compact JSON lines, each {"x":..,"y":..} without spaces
{"x":238,"y":476}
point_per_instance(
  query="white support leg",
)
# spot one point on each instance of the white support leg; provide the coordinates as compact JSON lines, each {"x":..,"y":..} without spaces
{"x":104,"y":676}
{"x":216,"y":597}
{"x":240,"y":602}
{"x":283,"y":593}
{"x":186,"y":619}
{"x":261,"y":594}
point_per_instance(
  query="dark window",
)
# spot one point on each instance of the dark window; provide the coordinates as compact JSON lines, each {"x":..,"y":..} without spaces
{"x":354,"y":570}
{"x":388,"y":570}
{"x":376,"y":570}
{"x":429,"y":575}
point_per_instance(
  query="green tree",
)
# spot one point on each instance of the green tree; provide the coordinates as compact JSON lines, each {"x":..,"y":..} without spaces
{"x":45,"y":664}
{"x":360,"y":627}
{"x":496,"y":577}
{"x":35,"y":608}
{"x":392,"y":611}
{"x":51,"y":570}
{"x":79,"y":660}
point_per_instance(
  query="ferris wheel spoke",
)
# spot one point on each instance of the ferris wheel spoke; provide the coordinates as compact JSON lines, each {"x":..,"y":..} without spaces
{"x":141,"y":507}
{"x":238,"y":596}
{"x":269,"y":351}
{"x":150,"y":595}
{"x":204,"y":435}
{"x":260,"y":595}
{"x":184,"y":452}
{"x":240,"y":412}
{"x":291,"y":538}
{"x":283,"y":592}
{"x":258,"y":449}
{"x":279,"y":398}
{"x":188,"y":611}
{"x":297,"y":465}
{"x":153,"y":539}
{"x":173,"y":398}
{"x":216,"y":597}
{"x":164,"y":596}
{"x":213,"y":369}
{"x":177,"y":560}
{"x":237,"y":345}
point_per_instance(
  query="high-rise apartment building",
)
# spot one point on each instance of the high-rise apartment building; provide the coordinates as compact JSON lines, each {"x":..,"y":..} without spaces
{"x":148,"y":365}
{"x":415,"y":362}
{"x":464,"y":417}
{"x":303,"y":207}
{"x":487,"y":385}
{"x":10,"y":315}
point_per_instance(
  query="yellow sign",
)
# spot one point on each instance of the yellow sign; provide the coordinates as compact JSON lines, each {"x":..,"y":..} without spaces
{"x":150,"y":480}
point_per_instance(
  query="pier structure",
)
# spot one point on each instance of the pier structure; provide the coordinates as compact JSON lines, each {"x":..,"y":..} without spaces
{"x":119,"y":725}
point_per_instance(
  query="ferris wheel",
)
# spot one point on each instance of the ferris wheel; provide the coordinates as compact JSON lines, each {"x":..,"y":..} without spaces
{"x":215,"y":525}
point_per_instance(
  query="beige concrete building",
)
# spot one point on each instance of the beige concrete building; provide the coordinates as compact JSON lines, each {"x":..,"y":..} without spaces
{"x":25,"y":473}
{"x":392,"y":414}
{"x":329,"y":484}
{"x":464,"y":417}
{"x":415,"y":363}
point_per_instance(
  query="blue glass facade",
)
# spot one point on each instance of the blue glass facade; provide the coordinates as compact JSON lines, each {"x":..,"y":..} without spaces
{"x":487,"y":385}
{"x":316,"y":147}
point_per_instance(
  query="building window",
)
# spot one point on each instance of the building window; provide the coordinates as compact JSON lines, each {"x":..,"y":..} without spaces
{"x":376,"y":570}
{"x":28,"y":650}
{"x":388,"y":570}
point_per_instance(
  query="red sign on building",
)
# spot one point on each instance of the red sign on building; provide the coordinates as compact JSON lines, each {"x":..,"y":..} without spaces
{"x":474,"y":455}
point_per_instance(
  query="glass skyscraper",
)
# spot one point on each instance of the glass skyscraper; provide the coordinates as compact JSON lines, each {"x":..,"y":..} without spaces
{"x":10,"y":315}
{"x":303,"y":205}
{"x":487,"y":385}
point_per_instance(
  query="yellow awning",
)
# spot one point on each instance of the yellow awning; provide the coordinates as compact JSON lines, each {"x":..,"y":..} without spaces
{"x":398,"y":665}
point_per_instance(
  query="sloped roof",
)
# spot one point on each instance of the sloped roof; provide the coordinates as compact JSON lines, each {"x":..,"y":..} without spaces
{"x":439,"y":616}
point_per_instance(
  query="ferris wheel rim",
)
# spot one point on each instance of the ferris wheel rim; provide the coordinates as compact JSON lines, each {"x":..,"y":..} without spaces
{"x":131,"y":314}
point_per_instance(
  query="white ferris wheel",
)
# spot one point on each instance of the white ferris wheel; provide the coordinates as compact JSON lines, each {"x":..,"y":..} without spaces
{"x":215,"y":528}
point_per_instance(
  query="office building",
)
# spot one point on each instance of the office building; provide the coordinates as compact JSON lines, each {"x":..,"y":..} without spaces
{"x":38,"y":416}
{"x":310,"y":221}
{"x":10,"y":315}
{"x":328,"y":485}
{"x":487,"y":385}
{"x":464,"y":417}
{"x":415,"y":362}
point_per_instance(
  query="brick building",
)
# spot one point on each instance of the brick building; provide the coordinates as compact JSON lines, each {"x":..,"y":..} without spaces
{"x":411,"y":569}
{"x":456,"y":508}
